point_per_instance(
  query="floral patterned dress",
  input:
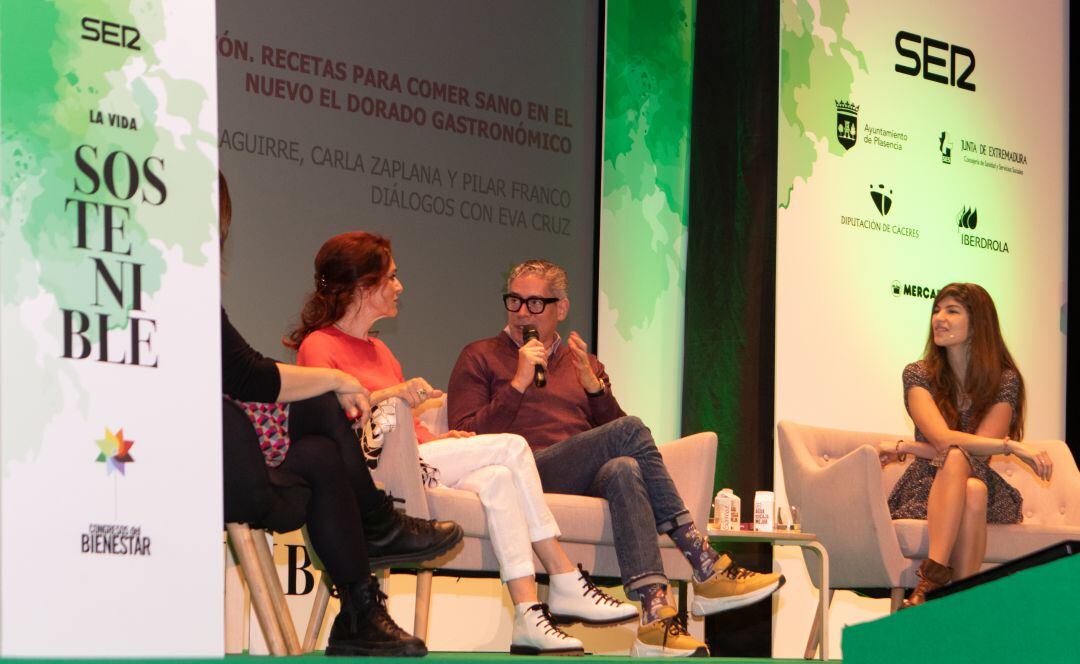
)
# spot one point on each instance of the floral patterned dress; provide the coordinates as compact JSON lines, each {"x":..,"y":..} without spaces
{"x":909,"y":496}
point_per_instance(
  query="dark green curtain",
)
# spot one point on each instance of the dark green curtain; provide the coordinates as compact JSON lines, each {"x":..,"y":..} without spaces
{"x":731,"y":266}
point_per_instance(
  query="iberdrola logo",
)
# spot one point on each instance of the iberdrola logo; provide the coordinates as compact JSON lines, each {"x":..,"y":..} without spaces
{"x":115,"y":451}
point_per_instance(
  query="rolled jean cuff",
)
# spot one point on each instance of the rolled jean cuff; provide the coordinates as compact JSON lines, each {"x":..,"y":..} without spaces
{"x":680,"y":519}
{"x":651,"y":578}
{"x":547,"y":531}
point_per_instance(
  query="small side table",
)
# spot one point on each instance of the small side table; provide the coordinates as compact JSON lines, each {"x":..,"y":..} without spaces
{"x":806,"y":541}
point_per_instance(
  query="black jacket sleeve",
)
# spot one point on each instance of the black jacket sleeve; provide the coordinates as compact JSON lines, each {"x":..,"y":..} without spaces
{"x":246,"y":374}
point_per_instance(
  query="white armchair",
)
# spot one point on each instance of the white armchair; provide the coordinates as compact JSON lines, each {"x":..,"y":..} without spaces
{"x":836,"y":480}
{"x":585,"y":522}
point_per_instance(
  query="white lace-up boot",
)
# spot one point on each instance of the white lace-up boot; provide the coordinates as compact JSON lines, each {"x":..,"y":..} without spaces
{"x":536,"y":634}
{"x":574,"y":598}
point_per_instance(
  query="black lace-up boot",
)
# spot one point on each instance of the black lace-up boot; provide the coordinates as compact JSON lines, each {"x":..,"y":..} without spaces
{"x":393,"y":537}
{"x":364,"y":628}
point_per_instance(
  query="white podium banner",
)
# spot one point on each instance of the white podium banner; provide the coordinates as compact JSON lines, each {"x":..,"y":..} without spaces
{"x":919,"y":144}
{"x":110,"y":455}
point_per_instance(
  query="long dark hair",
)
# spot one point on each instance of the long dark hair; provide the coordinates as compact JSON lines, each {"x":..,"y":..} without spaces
{"x":987,"y":361}
{"x":345,"y":263}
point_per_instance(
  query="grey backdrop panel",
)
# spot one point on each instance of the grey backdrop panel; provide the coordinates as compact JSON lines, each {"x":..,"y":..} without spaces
{"x":285,"y":205}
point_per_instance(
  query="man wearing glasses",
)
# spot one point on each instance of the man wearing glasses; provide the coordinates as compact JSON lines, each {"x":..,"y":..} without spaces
{"x":585,"y":444}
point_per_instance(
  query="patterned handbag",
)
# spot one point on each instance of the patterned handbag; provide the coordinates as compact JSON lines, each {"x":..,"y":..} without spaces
{"x":371,"y":436}
{"x":271,"y":423}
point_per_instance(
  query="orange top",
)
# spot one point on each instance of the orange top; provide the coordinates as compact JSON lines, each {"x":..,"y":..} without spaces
{"x":369,"y":360}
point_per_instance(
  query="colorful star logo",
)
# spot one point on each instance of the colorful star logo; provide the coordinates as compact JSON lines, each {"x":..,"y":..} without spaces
{"x":114,"y":451}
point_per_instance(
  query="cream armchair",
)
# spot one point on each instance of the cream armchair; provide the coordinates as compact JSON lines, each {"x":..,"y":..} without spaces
{"x":585,"y":522}
{"x":835,"y":478}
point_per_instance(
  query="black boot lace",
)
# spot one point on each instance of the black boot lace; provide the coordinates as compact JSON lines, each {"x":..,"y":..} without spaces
{"x":378,"y":614}
{"x":395,"y":521}
{"x":674,"y":627}
{"x":598,"y":596}
{"x":409,"y":523}
{"x":544,"y":620}
{"x":417,"y":526}
{"x":383,"y":509}
{"x":733,"y":571}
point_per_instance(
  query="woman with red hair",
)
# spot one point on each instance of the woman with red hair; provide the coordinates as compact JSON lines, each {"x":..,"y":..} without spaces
{"x":286,"y":430}
{"x":966,"y":398}
{"x":356,"y":284}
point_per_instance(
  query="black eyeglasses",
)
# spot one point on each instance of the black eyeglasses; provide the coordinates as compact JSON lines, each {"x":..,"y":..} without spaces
{"x":535,"y":305}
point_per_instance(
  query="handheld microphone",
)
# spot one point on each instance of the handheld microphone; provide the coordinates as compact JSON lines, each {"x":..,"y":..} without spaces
{"x":528,"y":333}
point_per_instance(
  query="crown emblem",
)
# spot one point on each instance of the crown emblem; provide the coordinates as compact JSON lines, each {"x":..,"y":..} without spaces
{"x":847,"y":124}
{"x":846,"y":107}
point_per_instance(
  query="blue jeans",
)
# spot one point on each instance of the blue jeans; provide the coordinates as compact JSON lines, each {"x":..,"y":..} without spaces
{"x":619,"y":461}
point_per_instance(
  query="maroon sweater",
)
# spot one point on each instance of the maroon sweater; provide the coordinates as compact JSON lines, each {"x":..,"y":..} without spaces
{"x":481,"y":398}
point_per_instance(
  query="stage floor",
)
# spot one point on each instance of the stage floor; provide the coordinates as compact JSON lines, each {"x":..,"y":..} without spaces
{"x":432,"y":658}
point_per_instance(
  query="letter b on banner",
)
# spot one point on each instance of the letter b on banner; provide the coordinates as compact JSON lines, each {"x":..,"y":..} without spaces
{"x":296,"y":570}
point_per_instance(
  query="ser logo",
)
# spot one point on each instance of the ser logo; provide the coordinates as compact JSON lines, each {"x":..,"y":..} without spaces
{"x":847,"y":124}
{"x":110,"y":33}
{"x":932,"y":64}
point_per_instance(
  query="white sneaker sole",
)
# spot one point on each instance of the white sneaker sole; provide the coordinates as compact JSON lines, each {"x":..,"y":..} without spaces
{"x":704,"y":606}
{"x":533,"y":650}
{"x":640,"y":649}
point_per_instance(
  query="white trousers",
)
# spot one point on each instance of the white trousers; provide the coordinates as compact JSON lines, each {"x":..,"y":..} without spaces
{"x":499,"y":468}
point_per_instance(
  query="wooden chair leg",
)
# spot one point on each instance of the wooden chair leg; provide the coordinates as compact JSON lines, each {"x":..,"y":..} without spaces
{"x":244,"y":546}
{"x":896,"y":598}
{"x":423,"y":603}
{"x":277,"y":594}
{"x":237,"y":604}
{"x":318,"y":613}
{"x":814,"y":641}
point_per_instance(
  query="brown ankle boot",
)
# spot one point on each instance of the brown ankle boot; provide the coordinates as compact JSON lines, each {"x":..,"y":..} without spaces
{"x":932,"y":575}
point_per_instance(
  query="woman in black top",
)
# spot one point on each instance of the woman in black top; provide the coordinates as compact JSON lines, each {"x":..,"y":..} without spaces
{"x":348,"y":519}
